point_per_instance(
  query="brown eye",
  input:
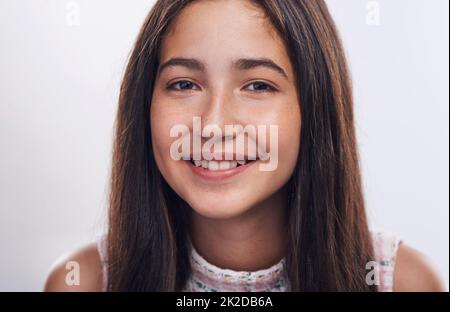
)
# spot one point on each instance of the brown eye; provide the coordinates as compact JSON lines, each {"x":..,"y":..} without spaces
{"x":182,"y":85}
{"x":260,"y":86}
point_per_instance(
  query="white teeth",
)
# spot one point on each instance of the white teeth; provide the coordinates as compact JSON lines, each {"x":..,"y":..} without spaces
{"x":217,"y":165}
{"x":241,"y":162}
{"x":213,"y":165}
{"x":224,"y":165}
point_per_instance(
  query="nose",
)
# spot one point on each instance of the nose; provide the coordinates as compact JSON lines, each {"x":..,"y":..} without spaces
{"x":218,"y":112}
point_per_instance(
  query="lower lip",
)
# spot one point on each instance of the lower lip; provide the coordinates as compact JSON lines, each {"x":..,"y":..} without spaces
{"x":219,"y":175}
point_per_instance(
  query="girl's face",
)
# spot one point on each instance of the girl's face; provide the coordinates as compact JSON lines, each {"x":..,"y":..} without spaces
{"x":228,"y":67}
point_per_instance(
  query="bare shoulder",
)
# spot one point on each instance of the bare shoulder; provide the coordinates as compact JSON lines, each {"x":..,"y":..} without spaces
{"x":415,"y":272}
{"x":78,"y":271}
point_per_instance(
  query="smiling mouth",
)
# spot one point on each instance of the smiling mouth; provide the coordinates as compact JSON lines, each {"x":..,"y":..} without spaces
{"x":217,"y":165}
{"x":219,"y":170}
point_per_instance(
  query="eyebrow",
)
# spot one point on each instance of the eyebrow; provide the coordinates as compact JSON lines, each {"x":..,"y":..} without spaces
{"x":241,"y":64}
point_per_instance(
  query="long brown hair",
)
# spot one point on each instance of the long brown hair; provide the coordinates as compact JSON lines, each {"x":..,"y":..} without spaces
{"x":329,"y":241}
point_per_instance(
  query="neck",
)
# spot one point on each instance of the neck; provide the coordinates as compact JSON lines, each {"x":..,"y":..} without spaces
{"x":253,"y":241}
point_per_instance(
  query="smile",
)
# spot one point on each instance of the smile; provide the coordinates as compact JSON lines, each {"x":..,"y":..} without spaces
{"x":215,"y":165}
{"x":217,"y":170}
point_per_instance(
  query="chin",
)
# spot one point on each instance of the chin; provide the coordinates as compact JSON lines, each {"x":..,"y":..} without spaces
{"x":219,"y":208}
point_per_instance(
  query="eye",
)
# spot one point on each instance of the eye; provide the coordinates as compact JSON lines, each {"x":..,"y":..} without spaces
{"x":181,"y":85}
{"x":259,"y":86}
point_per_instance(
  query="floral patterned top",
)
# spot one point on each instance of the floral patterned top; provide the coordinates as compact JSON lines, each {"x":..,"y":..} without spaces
{"x":206,"y":277}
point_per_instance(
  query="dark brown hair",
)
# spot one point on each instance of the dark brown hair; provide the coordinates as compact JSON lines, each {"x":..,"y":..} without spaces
{"x":329,"y":241}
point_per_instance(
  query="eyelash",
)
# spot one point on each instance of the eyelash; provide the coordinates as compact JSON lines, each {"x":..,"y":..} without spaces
{"x":269,"y":89}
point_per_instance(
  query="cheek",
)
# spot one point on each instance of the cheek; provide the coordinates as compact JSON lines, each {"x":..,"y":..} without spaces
{"x":289,"y":137}
{"x":288,"y":152}
{"x":161,"y":121}
{"x":163,"y":117}
{"x":287,"y":118}
{"x":158,"y":131}
{"x":289,"y":127}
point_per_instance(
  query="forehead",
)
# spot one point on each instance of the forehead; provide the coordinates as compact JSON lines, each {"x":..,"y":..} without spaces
{"x":221,"y":30}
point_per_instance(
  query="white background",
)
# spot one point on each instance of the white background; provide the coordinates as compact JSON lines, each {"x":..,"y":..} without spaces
{"x":58,"y":95}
